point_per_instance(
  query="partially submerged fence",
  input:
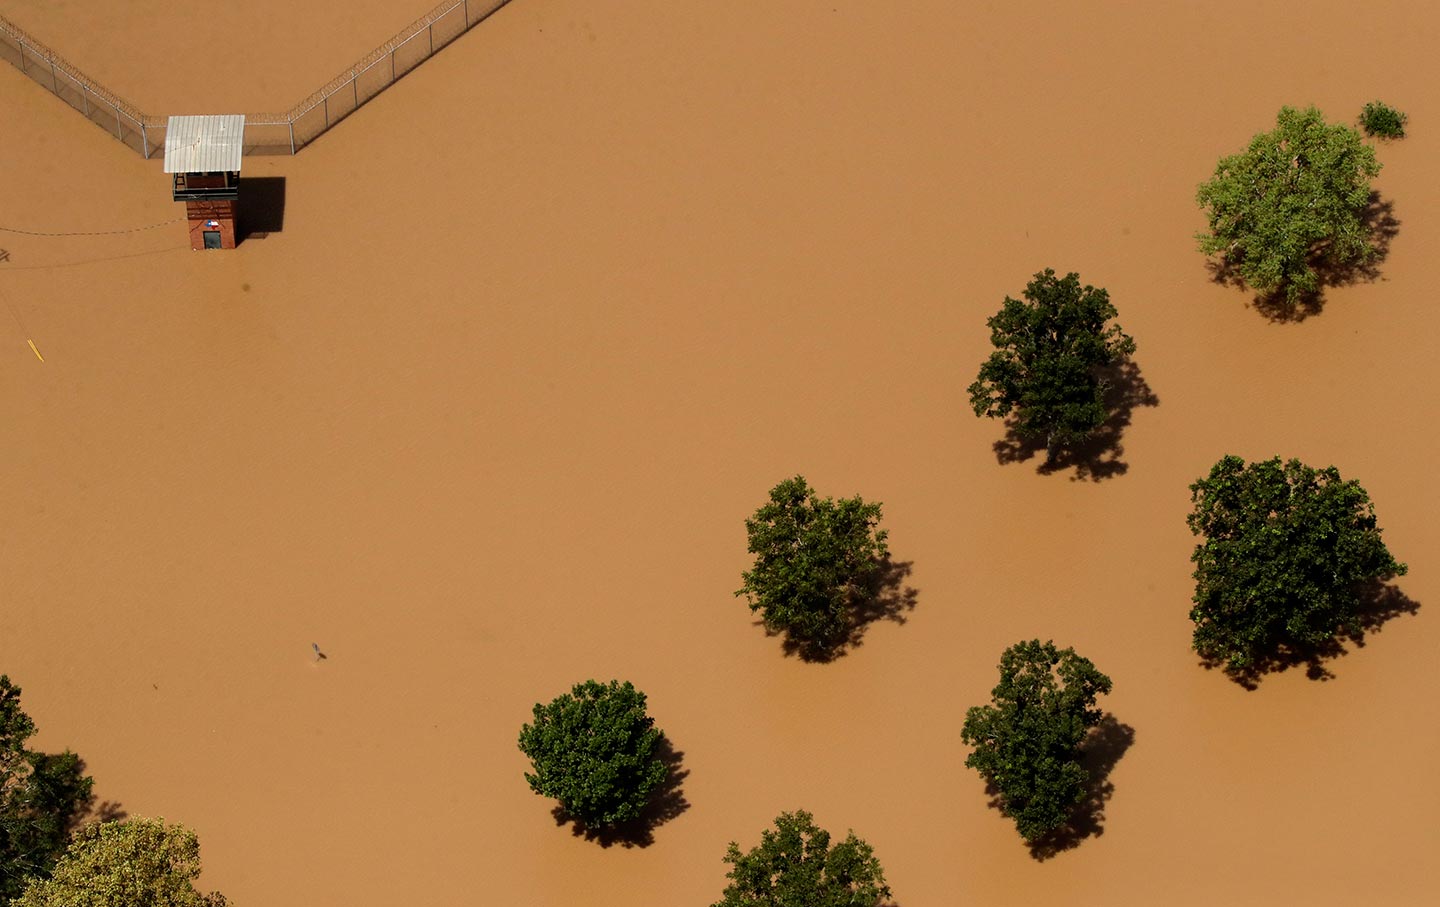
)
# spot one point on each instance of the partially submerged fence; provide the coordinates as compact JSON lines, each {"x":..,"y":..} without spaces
{"x":49,"y":70}
{"x":265,"y":133}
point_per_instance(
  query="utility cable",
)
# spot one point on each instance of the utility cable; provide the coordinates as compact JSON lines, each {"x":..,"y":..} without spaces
{"x":163,"y":223}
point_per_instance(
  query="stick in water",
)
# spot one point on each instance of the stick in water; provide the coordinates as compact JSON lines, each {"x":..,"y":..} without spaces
{"x":319,"y":656}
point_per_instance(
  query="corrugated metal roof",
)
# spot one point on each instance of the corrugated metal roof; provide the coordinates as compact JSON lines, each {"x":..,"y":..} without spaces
{"x":207,"y":144}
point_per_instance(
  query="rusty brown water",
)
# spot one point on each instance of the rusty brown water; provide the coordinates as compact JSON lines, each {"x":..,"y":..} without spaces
{"x":486,"y":415}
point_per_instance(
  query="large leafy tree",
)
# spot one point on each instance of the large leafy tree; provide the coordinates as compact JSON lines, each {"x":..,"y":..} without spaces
{"x":1287,"y":552}
{"x":814,"y":561}
{"x":596,"y":751}
{"x":1295,"y":198}
{"x":796,"y":866}
{"x":42,"y":797}
{"x":1027,"y":740}
{"x":1050,"y":349}
{"x":132,"y":863}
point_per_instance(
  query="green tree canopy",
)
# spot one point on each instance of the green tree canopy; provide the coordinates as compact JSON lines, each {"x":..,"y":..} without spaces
{"x":1380,"y":119}
{"x":1294,"y":199}
{"x":595,"y":750}
{"x":1027,"y":741}
{"x":1049,"y":349}
{"x":796,"y":866}
{"x":1286,"y":553}
{"x":814,"y":562}
{"x":133,"y":863}
{"x":42,"y":797}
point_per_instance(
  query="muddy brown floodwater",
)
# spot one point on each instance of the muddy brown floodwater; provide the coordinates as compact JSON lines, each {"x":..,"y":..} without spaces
{"x":482,"y":415}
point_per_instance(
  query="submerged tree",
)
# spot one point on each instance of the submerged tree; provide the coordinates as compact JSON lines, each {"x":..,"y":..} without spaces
{"x":1380,"y":119}
{"x":1049,"y":350}
{"x":814,"y":560}
{"x":1294,"y":199}
{"x":796,"y":866}
{"x":42,"y":797}
{"x":1286,"y":553}
{"x":132,"y":863}
{"x":1027,"y":741}
{"x":596,"y":751}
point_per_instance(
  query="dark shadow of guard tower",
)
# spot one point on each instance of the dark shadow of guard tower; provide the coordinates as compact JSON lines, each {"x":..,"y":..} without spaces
{"x":202,"y":154}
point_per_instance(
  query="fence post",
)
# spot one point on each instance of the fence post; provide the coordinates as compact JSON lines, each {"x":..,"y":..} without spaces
{"x":119,"y":130}
{"x":355,"y":88}
{"x":432,"y":38}
{"x":145,"y":140}
{"x":22,"y":56}
{"x":85,"y":99}
{"x":292,"y":137}
{"x":467,"y":13}
{"x":326,"y":101}
{"x":54,"y":82}
{"x":392,"y":64}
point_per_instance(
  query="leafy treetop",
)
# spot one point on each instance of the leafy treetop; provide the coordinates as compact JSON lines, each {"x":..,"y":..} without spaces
{"x":1048,"y":349}
{"x":1380,"y":119}
{"x":42,"y":797}
{"x":15,"y":726}
{"x":133,"y":863}
{"x":1286,"y":551}
{"x":814,"y":561}
{"x":1295,"y":197}
{"x":796,"y":866}
{"x":1027,"y":741}
{"x":594,"y":750}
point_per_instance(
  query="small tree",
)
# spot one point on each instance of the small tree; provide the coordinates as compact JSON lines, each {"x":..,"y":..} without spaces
{"x":795,"y":866}
{"x":1295,"y":198}
{"x":1049,"y":349}
{"x":595,"y":751}
{"x":134,"y":863}
{"x":42,"y":797}
{"x":1380,"y":119}
{"x":1027,"y":741}
{"x":1286,"y":552}
{"x":814,"y":561}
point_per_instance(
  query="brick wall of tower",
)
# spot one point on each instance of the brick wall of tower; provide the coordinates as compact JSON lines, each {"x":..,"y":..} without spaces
{"x":199,"y":213}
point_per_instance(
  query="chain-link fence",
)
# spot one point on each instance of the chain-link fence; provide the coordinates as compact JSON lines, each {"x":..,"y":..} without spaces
{"x":265,"y":133}
{"x":49,"y":70}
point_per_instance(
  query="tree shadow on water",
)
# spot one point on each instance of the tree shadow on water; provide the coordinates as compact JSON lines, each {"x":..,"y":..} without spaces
{"x":883,"y":597}
{"x":1100,"y":456}
{"x":92,"y":810}
{"x":1380,"y":603}
{"x":107,"y":811}
{"x":886,"y":597}
{"x":1377,"y":219}
{"x":1101,"y":751}
{"x":666,"y":802}
{"x":63,"y":789}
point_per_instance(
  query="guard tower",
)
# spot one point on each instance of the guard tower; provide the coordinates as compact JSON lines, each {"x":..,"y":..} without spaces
{"x":203,"y":156}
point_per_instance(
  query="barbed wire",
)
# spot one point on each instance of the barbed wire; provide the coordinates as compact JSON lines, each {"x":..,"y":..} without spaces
{"x":163,"y":223}
{"x":470,"y":12}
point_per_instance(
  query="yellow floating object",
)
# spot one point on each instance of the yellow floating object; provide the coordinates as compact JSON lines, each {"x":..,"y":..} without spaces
{"x":34,"y":350}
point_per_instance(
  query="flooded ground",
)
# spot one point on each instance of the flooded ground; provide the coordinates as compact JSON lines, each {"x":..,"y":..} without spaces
{"x":482,"y":410}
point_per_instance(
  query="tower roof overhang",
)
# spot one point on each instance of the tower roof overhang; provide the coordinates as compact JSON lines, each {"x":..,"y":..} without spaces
{"x":204,"y":144}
